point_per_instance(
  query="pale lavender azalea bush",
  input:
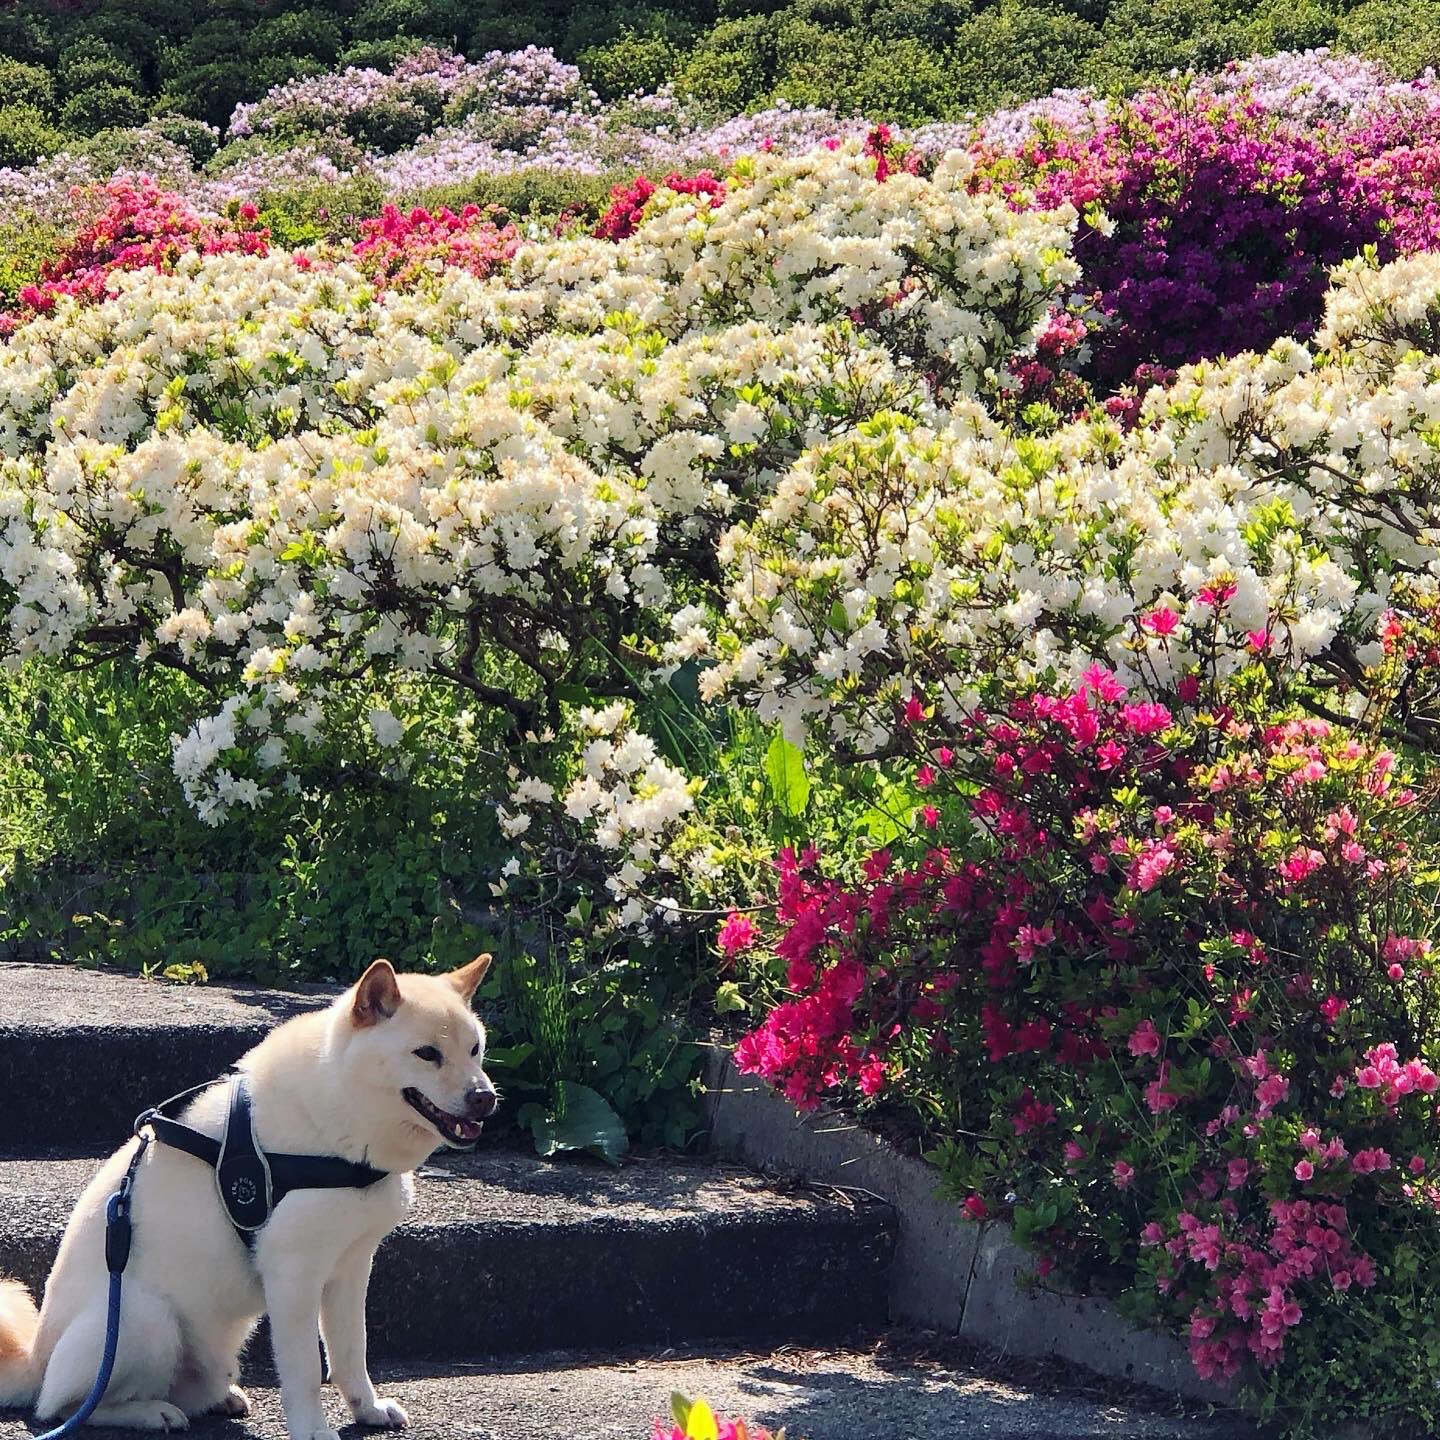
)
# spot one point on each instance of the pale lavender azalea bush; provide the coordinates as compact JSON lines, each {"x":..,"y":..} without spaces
{"x":55,"y":188}
{"x":502,"y":80}
{"x":1315,"y":85}
{"x":1308,"y":87}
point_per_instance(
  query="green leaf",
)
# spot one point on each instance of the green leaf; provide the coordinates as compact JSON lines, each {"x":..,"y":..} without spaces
{"x":728,"y":998}
{"x":509,"y":1057}
{"x":785,"y":771}
{"x":679,"y":1408}
{"x":880,"y":827}
{"x":589,"y":1123}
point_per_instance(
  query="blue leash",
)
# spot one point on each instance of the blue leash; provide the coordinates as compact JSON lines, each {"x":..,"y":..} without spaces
{"x":117,"y":1256}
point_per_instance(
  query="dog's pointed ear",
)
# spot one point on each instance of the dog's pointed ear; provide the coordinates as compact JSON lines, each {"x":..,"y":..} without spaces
{"x":377,"y":995}
{"x":468,"y":977}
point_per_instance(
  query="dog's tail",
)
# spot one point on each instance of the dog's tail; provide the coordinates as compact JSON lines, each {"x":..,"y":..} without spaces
{"x":19,"y":1321}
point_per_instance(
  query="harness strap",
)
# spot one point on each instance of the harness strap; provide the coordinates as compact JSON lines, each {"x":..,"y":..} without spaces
{"x":251,"y":1181}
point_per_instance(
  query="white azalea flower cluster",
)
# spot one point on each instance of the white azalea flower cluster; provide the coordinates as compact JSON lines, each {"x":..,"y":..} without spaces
{"x":625,"y":803}
{"x":952,"y":283}
{"x":259,"y":471}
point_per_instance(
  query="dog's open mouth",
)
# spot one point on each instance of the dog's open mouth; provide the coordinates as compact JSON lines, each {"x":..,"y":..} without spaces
{"x":453,"y":1130}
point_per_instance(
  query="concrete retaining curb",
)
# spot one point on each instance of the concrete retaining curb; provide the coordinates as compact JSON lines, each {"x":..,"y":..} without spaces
{"x":949,"y":1273}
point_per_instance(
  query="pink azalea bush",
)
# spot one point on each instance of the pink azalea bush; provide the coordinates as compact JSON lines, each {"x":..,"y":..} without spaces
{"x":627,"y":202}
{"x":1150,"y":976}
{"x":141,"y":227}
{"x":398,"y":247}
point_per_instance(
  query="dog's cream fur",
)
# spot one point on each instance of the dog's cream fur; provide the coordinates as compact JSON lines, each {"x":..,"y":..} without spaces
{"x":327,"y":1083}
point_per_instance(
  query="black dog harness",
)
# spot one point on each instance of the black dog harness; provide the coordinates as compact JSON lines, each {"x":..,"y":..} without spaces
{"x":250,"y":1181}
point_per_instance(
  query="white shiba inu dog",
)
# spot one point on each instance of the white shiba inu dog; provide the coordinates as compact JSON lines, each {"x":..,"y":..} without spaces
{"x":389,"y":1072}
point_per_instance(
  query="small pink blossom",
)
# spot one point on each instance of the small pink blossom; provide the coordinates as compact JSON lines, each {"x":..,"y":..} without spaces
{"x":1270,"y":1092}
{"x":1216,"y":596}
{"x":1145,"y":1039}
{"x":739,"y":933}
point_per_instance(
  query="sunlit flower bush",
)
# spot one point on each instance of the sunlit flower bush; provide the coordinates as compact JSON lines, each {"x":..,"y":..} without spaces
{"x":294,"y":484}
{"x":1217,"y":218}
{"x":401,"y":247}
{"x":1302,"y":480}
{"x":1153,"y":978}
{"x":141,"y":227}
{"x":1106,"y":711}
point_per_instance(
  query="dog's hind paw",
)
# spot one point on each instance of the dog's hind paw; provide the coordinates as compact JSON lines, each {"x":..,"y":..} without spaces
{"x":142,"y":1415}
{"x":383,"y":1415}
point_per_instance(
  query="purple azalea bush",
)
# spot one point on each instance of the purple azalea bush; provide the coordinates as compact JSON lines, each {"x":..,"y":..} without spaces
{"x":1213,"y":229}
{"x":1215,"y":207}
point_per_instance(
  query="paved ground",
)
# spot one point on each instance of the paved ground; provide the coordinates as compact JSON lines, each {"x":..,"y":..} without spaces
{"x":67,"y":997}
{"x":817,"y":1395}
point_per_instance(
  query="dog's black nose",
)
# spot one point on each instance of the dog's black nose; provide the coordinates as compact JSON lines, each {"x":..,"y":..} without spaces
{"x":481,"y":1101}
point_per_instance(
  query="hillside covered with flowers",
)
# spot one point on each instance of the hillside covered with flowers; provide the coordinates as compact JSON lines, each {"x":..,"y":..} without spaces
{"x":955,"y":600}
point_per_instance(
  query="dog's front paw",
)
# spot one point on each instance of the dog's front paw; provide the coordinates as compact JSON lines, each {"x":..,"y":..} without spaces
{"x":235,"y":1404}
{"x":383,"y":1415}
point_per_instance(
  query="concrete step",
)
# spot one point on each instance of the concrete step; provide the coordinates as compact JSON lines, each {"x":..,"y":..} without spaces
{"x":82,"y":1052}
{"x":876,"y":1393}
{"x":507,"y":1252}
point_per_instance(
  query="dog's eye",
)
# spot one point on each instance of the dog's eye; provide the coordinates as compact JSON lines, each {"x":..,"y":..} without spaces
{"x":475,"y":1048}
{"x":430,"y":1055}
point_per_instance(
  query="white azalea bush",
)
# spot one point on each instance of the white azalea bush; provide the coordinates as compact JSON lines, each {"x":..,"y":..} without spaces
{"x":1266,"y":505}
{"x":261,"y":473}
{"x":758,"y":439}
